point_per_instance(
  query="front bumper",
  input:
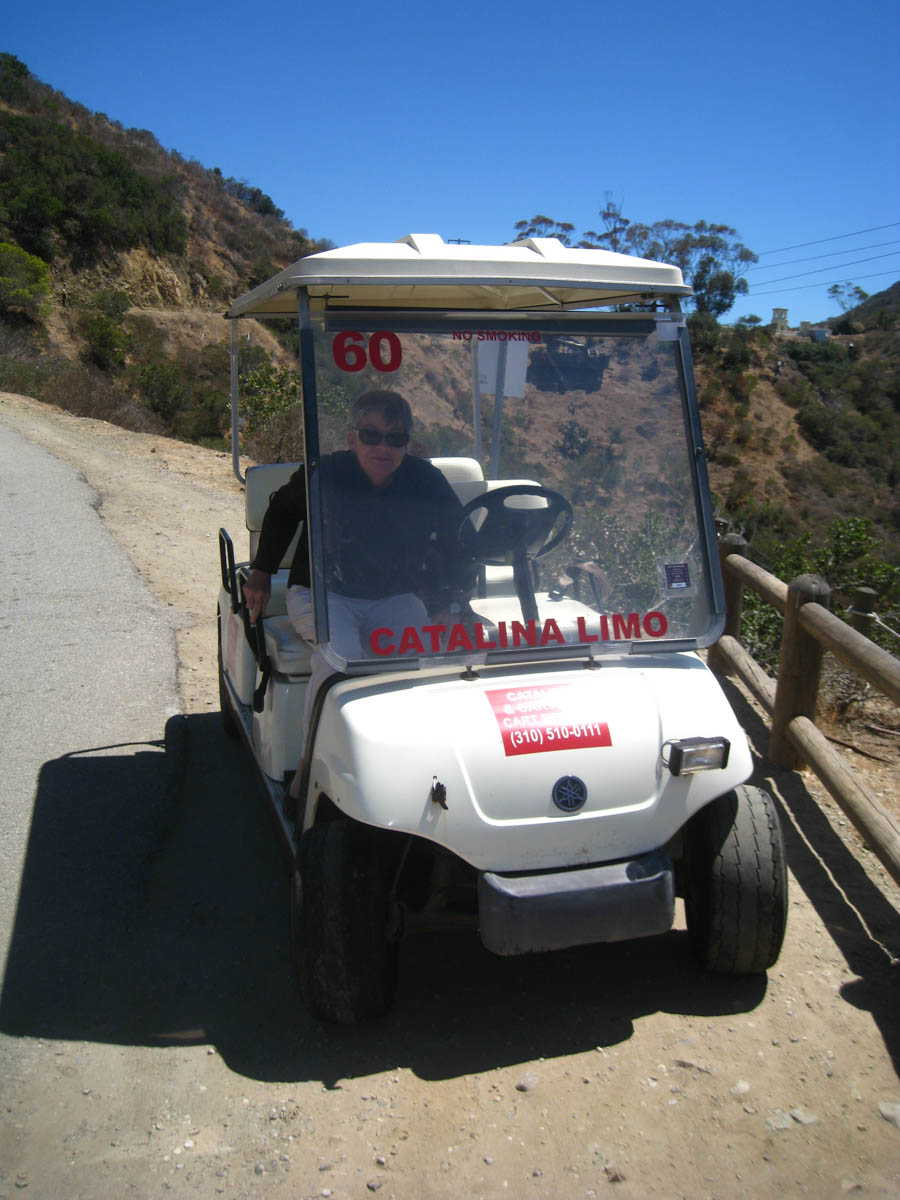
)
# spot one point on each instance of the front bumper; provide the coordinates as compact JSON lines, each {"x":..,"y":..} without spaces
{"x":550,"y":910}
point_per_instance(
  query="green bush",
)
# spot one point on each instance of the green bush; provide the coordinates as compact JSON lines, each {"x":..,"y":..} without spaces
{"x":574,"y":440}
{"x":203,"y":418}
{"x":848,"y":556}
{"x":267,"y":392}
{"x":111,"y":304}
{"x":106,"y":342}
{"x":24,"y":282}
{"x":704,"y":331}
{"x":162,"y":389}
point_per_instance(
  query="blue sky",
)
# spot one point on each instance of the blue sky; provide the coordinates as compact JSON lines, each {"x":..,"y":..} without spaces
{"x":366,"y":122}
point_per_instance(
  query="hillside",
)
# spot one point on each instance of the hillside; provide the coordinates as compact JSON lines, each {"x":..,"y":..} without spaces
{"x":142,"y":250}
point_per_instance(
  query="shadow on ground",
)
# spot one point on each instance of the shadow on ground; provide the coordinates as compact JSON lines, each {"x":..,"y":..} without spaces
{"x":154,"y":911}
{"x":857,"y":914}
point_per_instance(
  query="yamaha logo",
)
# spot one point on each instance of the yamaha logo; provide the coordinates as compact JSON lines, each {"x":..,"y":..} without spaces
{"x":569,"y":793}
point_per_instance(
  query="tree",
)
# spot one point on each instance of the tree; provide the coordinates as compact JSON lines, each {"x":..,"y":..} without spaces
{"x":712,"y":258}
{"x":24,"y":281}
{"x":847,"y":295}
{"x":14,"y":80}
{"x":60,"y":188}
{"x":541,"y":226}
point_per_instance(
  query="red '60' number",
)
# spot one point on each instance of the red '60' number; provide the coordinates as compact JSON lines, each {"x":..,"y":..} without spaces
{"x":384,"y":351}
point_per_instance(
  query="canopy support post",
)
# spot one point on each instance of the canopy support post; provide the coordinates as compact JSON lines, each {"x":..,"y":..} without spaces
{"x":234,"y":354}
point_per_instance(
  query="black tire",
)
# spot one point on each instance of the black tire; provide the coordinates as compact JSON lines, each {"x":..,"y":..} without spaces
{"x":229,"y":720}
{"x":736,"y":883}
{"x":346,"y":966}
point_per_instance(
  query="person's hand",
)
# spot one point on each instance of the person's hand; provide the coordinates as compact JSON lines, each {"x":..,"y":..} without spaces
{"x":257,"y":590}
{"x":446,"y":617}
{"x":452,"y":615}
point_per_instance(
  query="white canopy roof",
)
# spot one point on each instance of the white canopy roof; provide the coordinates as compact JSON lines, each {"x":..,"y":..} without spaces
{"x":422,"y":271}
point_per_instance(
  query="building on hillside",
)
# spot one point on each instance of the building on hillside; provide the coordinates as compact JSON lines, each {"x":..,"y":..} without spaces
{"x":780,"y":320}
{"x":816,"y":333}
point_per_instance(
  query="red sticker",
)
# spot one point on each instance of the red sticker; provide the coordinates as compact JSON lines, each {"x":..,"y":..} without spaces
{"x":536,"y":720}
{"x":348,"y":352}
{"x":351,"y":352}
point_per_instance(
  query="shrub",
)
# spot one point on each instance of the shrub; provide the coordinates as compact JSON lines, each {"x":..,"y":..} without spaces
{"x":203,"y":418}
{"x":575,"y":440}
{"x":107,"y":342}
{"x":24,"y":282}
{"x":267,"y":392}
{"x":162,"y":389}
{"x":111,"y":304}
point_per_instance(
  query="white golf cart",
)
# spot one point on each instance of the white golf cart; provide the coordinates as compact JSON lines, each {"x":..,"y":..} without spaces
{"x":555,"y":763}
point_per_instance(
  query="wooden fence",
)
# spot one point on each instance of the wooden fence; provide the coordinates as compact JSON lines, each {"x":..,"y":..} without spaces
{"x":809,"y":629}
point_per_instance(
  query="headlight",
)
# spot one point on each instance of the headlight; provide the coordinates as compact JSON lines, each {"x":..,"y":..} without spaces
{"x":688,"y":755}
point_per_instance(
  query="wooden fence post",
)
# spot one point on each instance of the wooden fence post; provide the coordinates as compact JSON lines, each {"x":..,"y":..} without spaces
{"x":863,"y":608}
{"x":731,"y":543}
{"x":798,"y":670}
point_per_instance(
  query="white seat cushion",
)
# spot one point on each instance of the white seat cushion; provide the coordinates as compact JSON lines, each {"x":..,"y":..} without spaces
{"x":288,"y":652}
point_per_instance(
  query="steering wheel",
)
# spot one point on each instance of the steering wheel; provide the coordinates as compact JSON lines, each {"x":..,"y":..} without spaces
{"x":513,"y":532}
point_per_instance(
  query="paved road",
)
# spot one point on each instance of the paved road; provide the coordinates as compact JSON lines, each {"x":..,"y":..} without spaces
{"x":88,"y":660}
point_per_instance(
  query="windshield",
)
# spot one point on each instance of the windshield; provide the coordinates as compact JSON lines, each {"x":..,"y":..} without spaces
{"x":488,"y":487}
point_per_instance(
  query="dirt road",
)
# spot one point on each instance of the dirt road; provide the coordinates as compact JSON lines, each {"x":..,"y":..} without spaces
{"x":177,"y":1060}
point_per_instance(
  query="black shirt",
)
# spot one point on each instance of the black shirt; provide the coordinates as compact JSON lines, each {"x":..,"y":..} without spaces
{"x":378,"y":541}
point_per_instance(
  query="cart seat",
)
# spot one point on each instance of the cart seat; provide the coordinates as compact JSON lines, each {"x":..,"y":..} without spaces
{"x":287,"y":651}
{"x":260,"y":483}
{"x":464,"y":475}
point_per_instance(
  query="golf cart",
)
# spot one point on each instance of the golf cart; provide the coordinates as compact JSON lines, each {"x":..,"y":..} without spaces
{"x":554,"y":763}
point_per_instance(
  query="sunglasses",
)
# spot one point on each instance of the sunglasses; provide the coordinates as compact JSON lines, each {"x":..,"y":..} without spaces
{"x":374,"y":437}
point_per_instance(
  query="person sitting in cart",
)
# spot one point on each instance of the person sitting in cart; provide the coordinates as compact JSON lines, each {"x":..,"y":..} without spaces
{"x":391,"y":522}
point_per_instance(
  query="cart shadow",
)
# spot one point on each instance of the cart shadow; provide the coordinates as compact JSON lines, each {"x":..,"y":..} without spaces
{"x":153,"y":911}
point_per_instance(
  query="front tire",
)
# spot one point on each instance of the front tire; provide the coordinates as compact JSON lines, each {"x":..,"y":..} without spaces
{"x":736,"y":883}
{"x":345,"y":964}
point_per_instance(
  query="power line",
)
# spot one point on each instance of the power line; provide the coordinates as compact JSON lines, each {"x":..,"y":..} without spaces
{"x":837,"y":237}
{"x":819,"y":270}
{"x":831,"y":254}
{"x":803,"y":286}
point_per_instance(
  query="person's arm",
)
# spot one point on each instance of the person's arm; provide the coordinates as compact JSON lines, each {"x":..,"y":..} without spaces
{"x":287,"y":508}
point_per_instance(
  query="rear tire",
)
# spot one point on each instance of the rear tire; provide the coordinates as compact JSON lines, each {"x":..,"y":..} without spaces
{"x":346,"y":966}
{"x":736,"y":883}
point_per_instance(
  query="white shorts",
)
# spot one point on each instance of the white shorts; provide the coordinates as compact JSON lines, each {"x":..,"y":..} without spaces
{"x":351,"y":622}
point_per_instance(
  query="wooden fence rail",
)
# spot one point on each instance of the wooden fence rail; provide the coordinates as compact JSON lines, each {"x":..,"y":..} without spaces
{"x":809,"y":629}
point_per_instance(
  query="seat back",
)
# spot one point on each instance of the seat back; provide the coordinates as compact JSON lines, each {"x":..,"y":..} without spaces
{"x":260,"y":483}
{"x":464,"y":475}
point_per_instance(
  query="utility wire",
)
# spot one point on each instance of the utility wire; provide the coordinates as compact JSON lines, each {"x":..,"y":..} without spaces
{"x":803,"y":286}
{"x":837,"y":237}
{"x":813,"y":257}
{"x":819,"y":270}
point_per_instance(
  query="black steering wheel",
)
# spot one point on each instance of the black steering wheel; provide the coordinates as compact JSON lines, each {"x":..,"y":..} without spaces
{"x":514,"y":534}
